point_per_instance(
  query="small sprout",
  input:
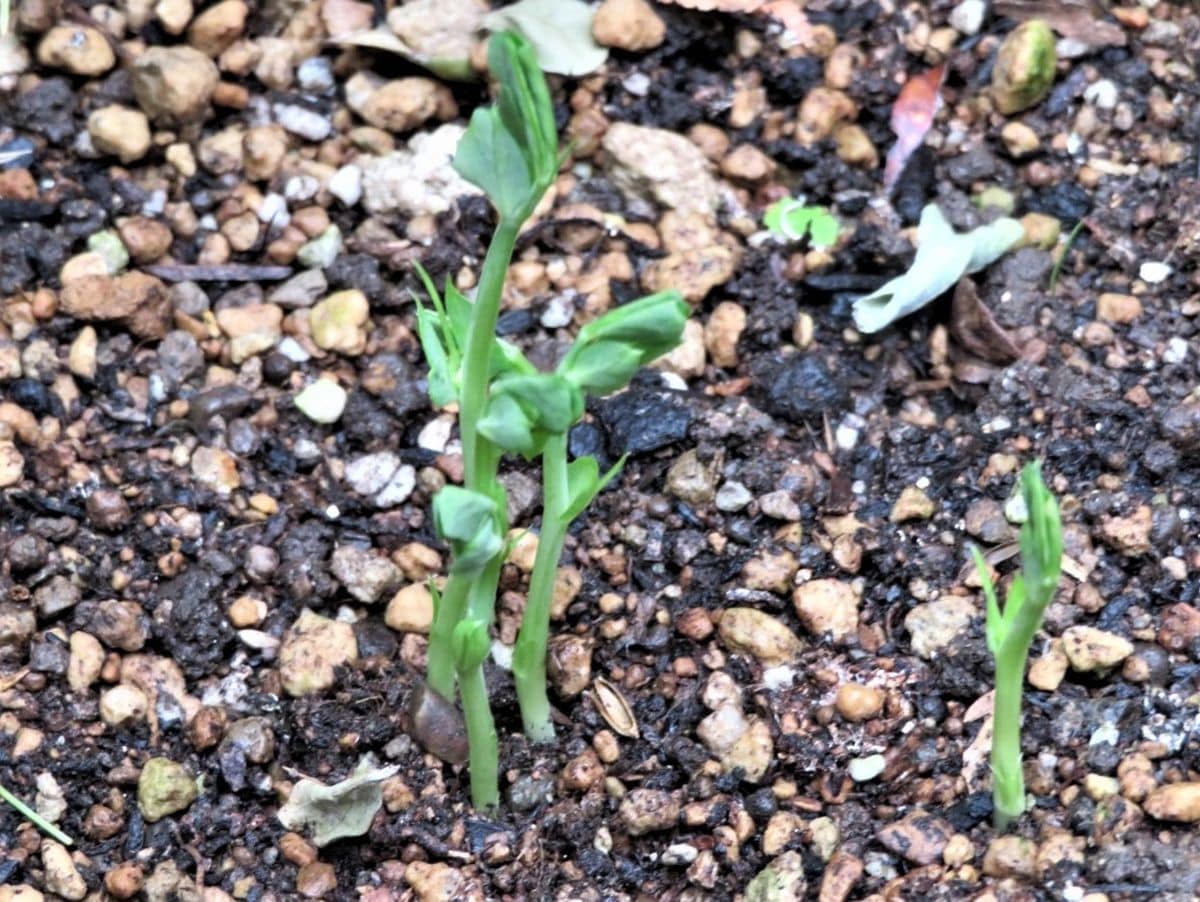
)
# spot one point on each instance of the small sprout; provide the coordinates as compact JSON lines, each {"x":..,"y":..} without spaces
{"x":1010,"y":631}
{"x":34,"y":818}
{"x":791,"y":220}
{"x":1025,"y":64}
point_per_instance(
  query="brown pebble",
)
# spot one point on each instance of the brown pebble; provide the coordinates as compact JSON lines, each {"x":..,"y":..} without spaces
{"x":857,"y":703}
{"x":316,"y":880}
{"x":296,"y":849}
{"x":125,"y":880}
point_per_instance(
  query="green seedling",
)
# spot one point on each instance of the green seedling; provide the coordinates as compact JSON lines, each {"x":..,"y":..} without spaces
{"x":1061,"y":258}
{"x":1010,"y":632}
{"x":34,"y":818}
{"x":791,"y":220}
{"x":505,"y":405}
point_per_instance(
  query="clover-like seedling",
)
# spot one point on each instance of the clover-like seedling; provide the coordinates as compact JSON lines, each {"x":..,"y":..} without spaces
{"x":1010,"y":631}
{"x":792,"y":219}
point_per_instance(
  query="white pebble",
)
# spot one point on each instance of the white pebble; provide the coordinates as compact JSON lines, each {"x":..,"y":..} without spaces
{"x":346,"y":185}
{"x":557,"y":314}
{"x":315,"y":74}
{"x":323,"y":401}
{"x":862,"y":770}
{"x":1176,"y":351}
{"x":293,"y":350}
{"x":302,"y":122}
{"x":1101,"y":94}
{"x":274,"y":210}
{"x":967,"y":17}
{"x":1154,"y":271}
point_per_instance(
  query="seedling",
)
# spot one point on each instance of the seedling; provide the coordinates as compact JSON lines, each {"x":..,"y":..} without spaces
{"x":34,"y":818}
{"x":505,"y":405}
{"x":791,"y":219}
{"x":1010,"y":632}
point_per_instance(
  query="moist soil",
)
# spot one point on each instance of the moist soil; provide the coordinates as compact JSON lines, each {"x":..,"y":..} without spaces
{"x":829,"y":480}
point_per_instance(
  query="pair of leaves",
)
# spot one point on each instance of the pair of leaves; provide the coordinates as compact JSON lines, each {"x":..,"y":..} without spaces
{"x":523,"y":410}
{"x":466,"y":521}
{"x":1031,"y":590}
{"x":510,"y":148}
{"x":792,"y":219}
{"x":943,"y":257}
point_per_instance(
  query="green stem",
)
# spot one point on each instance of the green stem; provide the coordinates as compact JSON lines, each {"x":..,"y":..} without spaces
{"x":529,"y":655}
{"x":440,"y":668}
{"x":1008,"y":778}
{"x":481,"y":737}
{"x":477,"y":360}
{"x":36,"y":819}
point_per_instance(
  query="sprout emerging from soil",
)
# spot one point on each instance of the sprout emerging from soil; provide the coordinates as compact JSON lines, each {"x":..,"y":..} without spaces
{"x":505,"y":405}
{"x":1010,"y":632}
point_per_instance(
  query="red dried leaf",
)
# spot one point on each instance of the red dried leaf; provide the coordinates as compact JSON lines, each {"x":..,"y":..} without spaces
{"x":912,"y":117}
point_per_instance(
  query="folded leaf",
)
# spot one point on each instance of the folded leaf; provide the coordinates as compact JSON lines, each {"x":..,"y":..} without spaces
{"x":943,"y":257}
{"x":466,"y":520}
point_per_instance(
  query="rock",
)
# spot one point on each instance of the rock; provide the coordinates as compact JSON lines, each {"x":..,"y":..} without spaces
{"x":263,"y":150}
{"x":686,"y":360}
{"x":12,"y":464}
{"x":1181,"y":425}
{"x":645,"y":811}
{"x":732,"y":497}
{"x":346,"y":185}
{"x":56,"y":595}
{"x":300,"y":290}
{"x":107,"y":244}
{"x":120,"y":131}
{"x":382,"y":477}
{"x":867,"y":768}
{"x":803,"y":388}
{"x":322,"y":401}
{"x":738,"y":742}
{"x":136,"y":296}
{"x":216,"y":469}
{"x":146,"y":239}
{"x":61,"y":877}
{"x":78,"y":49}
{"x":855,"y":147}
{"x":658,"y":166}
{"x":1019,"y":139}
{"x":722,"y":332}
{"x":569,"y":664}
{"x":251,"y":329}
{"x":913,"y":504}
{"x":339,"y":323}
{"x":125,"y":880}
{"x":410,"y":610}
{"x":1118,"y":308}
{"x":174,"y":15}
{"x":933,"y":626}
{"x":417,"y":180}
{"x":858,"y":703}
{"x":123,"y":705}
{"x":1010,"y":856}
{"x":746,"y":163}
{"x":967,"y":16}
{"x":821,"y":112}
{"x":1129,"y":535}
{"x":164,"y":788}
{"x":436,"y":882}
{"x":174,"y":84}
{"x":1046,"y":672}
{"x":690,"y":481}
{"x":1040,"y":231}
{"x":1089,"y":649}
{"x":827,"y":606}
{"x":1024,"y":70}
{"x":322,"y":251}
{"x":364,"y":574}
{"x":1178,"y":802}
{"x":403,"y":104}
{"x":919,"y":837}
{"x":770,"y":571}
{"x":302,"y":122}
{"x":751,"y":632}
{"x":782,"y":880}
{"x":693,"y":273}
{"x":215,"y":29}
{"x":316,"y":880}
{"x":14,"y":59}
{"x":86,"y":662}
{"x":630,"y":25}
{"x":311,"y":649}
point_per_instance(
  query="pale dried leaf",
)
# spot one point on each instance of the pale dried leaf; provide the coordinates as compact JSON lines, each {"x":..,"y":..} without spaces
{"x":613,"y":707}
{"x":343,"y":809}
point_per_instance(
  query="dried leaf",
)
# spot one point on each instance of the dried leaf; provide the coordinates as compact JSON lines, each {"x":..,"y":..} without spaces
{"x":1079,"y":20}
{"x":912,"y":117}
{"x":614,"y":708}
{"x":559,"y":30}
{"x":787,"y":13}
{"x":343,"y":809}
{"x":382,"y":38}
{"x":974,"y":327}
{"x":975,"y":756}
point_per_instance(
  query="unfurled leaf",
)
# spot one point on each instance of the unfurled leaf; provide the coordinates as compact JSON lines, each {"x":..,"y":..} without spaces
{"x":559,"y":30}
{"x":791,"y":219}
{"x":343,"y":809}
{"x":384,"y":39}
{"x":912,"y":117}
{"x":943,"y":257}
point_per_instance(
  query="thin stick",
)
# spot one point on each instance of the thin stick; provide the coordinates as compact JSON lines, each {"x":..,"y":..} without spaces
{"x":33,"y":817}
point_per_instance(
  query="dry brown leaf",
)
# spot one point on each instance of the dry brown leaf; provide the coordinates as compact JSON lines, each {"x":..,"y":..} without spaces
{"x":974,"y":327}
{"x":1080,"y":20}
{"x":787,"y":13}
{"x":615,"y":710}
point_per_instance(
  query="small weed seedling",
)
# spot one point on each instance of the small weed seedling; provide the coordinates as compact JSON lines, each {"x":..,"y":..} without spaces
{"x":791,"y":219}
{"x":505,"y":405}
{"x":1010,"y":632}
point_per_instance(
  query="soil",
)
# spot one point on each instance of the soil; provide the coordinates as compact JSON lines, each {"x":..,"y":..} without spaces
{"x":828,"y":480}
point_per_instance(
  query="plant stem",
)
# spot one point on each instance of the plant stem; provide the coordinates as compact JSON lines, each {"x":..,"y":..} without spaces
{"x":481,"y":736}
{"x":529,"y":656}
{"x":34,"y":818}
{"x":477,"y":360}
{"x":440,"y":669}
{"x":1008,"y":778}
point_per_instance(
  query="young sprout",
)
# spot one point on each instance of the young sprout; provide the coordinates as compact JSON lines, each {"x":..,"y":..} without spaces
{"x":1010,"y":632}
{"x":792,"y":219}
{"x":506,"y":406}
{"x":34,"y":818}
